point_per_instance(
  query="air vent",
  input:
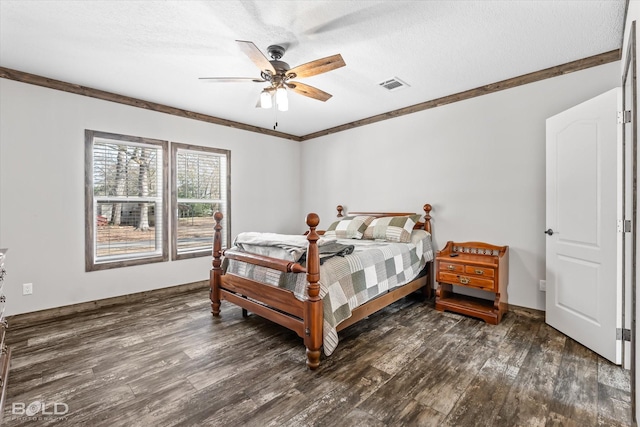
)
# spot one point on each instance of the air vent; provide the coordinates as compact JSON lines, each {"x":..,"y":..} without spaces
{"x":392,"y":84}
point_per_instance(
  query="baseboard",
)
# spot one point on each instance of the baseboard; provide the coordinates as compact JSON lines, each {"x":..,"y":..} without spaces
{"x":48,"y":315}
{"x":531,"y":312}
{"x":44,"y":316}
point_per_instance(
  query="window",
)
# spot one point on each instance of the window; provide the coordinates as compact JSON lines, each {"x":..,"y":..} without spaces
{"x":126,"y":190}
{"x":200,"y":187}
{"x":127,"y":200}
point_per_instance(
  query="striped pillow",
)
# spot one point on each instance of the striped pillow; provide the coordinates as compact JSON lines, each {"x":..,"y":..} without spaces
{"x":349,"y":227}
{"x":392,"y":228}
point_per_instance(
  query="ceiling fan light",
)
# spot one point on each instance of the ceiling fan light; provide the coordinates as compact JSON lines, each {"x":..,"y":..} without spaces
{"x":265,"y":100}
{"x":281,"y":99}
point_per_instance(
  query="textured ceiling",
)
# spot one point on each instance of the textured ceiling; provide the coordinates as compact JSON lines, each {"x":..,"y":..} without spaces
{"x":156,"y":50}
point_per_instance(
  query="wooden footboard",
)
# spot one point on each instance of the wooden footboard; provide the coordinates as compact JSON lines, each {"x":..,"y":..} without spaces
{"x":280,"y":305}
{"x":270,"y":302}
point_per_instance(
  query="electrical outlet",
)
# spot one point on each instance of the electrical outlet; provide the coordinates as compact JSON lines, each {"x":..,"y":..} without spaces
{"x":543,"y":285}
{"x":27,"y":288}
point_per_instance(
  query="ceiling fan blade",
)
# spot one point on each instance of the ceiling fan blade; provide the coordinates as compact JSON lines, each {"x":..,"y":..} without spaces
{"x":232,"y":79}
{"x":310,"y":91}
{"x":258,"y":58}
{"x":318,"y":66}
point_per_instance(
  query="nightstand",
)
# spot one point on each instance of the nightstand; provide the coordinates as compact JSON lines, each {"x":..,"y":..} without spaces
{"x":473,"y":265}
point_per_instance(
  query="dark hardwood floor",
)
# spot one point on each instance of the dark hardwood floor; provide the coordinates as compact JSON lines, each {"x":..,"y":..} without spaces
{"x":167,"y":362}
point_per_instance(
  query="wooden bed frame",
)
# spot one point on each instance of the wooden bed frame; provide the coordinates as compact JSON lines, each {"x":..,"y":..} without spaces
{"x":279,"y":305}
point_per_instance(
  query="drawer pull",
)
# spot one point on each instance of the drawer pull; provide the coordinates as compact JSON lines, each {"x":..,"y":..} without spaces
{"x":464,"y":280}
{"x":479,"y":271}
{"x":451,"y":267}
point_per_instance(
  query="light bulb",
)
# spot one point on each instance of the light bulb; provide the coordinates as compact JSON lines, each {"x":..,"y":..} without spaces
{"x":265,"y":100}
{"x":281,"y":99}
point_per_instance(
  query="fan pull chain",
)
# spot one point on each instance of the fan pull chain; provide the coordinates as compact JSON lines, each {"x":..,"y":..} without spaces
{"x":275,"y":117}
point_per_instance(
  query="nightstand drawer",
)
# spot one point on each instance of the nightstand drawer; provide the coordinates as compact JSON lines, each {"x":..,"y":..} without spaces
{"x":479,"y":271}
{"x":460,"y":279}
{"x":449,"y":266}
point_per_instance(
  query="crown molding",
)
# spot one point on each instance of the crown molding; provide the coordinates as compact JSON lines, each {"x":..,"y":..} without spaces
{"x":559,"y":70}
{"x":21,"y":76}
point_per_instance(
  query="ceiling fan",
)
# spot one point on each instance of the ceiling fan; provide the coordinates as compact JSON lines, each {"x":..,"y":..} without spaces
{"x":280,"y":76}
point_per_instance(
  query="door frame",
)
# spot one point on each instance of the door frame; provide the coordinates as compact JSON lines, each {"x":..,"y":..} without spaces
{"x":629,"y":72}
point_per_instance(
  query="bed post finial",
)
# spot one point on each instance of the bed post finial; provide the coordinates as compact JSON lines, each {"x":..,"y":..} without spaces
{"x":427,"y":210}
{"x":216,"y":271}
{"x":427,"y":217}
{"x":339,"y":208}
{"x":313,"y":260}
{"x":313,"y":305}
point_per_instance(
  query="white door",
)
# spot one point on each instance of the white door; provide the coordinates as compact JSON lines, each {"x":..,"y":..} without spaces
{"x":582,"y":285}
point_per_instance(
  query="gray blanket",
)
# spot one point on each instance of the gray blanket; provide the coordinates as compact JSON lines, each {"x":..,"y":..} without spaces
{"x":329,"y":250}
{"x":283,"y":246}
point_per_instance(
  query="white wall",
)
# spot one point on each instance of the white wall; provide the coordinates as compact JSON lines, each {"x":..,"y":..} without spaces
{"x":42,"y":192}
{"x":479,"y":162}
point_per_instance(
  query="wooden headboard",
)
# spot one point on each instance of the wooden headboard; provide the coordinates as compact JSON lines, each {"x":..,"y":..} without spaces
{"x":426,"y":225}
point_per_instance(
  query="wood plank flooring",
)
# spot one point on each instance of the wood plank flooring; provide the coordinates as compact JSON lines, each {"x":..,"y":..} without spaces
{"x":165,"y":361}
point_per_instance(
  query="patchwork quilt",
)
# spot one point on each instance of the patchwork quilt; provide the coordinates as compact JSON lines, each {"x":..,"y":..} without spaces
{"x":347,"y":282}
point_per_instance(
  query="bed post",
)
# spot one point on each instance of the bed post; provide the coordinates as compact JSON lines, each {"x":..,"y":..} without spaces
{"x":313,"y":305}
{"x":427,"y":217}
{"x":216,"y":271}
{"x":428,"y":290}
{"x":339,"y":208}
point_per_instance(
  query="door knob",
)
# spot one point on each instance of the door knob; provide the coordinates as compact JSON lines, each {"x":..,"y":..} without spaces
{"x":549,"y":232}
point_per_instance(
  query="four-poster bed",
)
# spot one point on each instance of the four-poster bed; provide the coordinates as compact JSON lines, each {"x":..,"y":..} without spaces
{"x":299,"y":307}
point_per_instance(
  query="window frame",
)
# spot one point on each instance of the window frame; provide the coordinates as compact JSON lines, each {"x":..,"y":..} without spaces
{"x":226,"y":221}
{"x":91,"y":264}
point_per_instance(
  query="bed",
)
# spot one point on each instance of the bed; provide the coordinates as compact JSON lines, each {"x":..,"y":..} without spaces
{"x":360,"y":264}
